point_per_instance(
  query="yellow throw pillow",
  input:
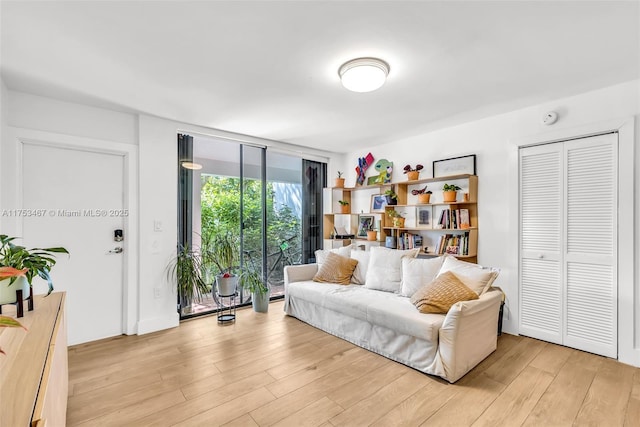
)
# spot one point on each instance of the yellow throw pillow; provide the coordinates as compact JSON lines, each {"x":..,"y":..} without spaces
{"x":336,"y":269}
{"x":439,"y":295}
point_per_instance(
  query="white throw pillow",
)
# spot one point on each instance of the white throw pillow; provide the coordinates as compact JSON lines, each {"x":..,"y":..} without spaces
{"x":360,"y":273}
{"x":476,"y":277}
{"x":385,"y":268}
{"x":417,"y":272}
{"x":321,"y":254}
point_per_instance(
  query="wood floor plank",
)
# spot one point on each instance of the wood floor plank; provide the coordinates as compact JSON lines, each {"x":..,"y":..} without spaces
{"x":242,"y":421}
{"x":420,"y":406}
{"x":312,"y":372}
{"x":551,"y":358}
{"x":472,"y":398}
{"x":228,"y":411}
{"x":370,"y":409}
{"x":509,"y":366}
{"x":212,"y":399}
{"x":516,"y":402}
{"x":560,"y":404}
{"x":607,"y":398}
{"x":360,"y":388}
{"x":276,"y":410}
{"x":633,"y":408}
{"x":312,"y":415}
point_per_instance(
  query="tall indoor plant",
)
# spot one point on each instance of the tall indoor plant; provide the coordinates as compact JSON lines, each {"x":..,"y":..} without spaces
{"x":33,"y":262}
{"x":185,"y":269}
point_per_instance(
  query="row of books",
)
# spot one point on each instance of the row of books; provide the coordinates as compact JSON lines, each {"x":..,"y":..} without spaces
{"x":409,"y":241}
{"x":454,"y":219}
{"x":455,"y":244}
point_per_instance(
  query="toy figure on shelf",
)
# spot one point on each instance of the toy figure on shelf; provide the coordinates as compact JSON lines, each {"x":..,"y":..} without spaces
{"x":384,"y":168}
{"x":363,"y":165}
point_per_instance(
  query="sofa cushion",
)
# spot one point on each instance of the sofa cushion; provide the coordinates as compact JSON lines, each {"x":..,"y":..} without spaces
{"x":417,"y":272}
{"x":360,"y":273}
{"x":474,"y":276}
{"x":336,"y":269}
{"x":439,"y":295}
{"x":379,"y":308}
{"x":385,"y":268}
{"x":397,"y":313}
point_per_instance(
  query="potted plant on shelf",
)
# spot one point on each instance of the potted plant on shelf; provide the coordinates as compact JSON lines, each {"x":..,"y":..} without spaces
{"x":396,"y":218}
{"x":186,"y":270}
{"x":344,"y":206}
{"x":252,"y":281}
{"x":372,"y":233}
{"x":223,"y":254}
{"x":413,"y":173}
{"x":424,"y":196}
{"x":392,"y":197}
{"x":450,"y":192}
{"x":30,"y":262}
{"x":339,"y":183}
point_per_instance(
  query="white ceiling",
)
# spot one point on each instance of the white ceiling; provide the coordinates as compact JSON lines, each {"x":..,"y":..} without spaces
{"x":269,"y":68}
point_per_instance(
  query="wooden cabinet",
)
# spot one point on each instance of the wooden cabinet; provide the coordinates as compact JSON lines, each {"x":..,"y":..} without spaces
{"x":34,"y":373}
{"x":437,"y":227}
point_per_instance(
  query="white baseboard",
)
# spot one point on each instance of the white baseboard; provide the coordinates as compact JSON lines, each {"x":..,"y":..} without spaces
{"x":158,"y":324}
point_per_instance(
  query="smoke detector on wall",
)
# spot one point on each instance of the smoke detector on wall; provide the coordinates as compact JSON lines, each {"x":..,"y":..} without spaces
{"x":550,"y":118}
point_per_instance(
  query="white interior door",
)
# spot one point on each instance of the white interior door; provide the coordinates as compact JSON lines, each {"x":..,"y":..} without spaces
{"x":541,"y":230}
{"x":82,"y":196}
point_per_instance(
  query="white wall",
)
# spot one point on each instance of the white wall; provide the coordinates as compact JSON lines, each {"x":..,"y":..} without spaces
{"x":3,"y":124}
{"x":495,"y":140}
{"x":154,"y":143}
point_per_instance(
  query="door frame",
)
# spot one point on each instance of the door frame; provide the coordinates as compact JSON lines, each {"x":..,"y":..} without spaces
{"x":628,"y":298}
{"x":13,"y":145}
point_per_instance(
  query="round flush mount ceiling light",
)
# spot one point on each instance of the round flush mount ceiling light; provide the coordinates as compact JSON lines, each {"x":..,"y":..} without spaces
{"x":363,"y":74}
{"x":192,"y":166}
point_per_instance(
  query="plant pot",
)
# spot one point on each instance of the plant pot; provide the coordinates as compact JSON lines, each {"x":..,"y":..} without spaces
{"x":372,"y":235}
{"x":398,"y":222}
{"x":424,"y":198}
{"x":450,"y":196}
{"x":339,"y":183}
{"x":413,"y":175}
{"x":260,"y":302}
{"x":391,"y":201}
{"x":227,"y":285}
{"x":8,"y":293}
{"x":344,"y":209}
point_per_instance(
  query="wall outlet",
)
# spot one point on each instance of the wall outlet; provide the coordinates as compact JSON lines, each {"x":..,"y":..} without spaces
{"x":157,"y":225}
{"x":156,"y":292}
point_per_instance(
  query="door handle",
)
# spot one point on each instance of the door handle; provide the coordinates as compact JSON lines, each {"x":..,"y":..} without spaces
{"x":116,"y":250}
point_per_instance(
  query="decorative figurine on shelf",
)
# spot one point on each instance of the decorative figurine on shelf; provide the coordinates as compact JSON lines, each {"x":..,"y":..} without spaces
{"x":384,"y":168}
{"x":363,"y":165}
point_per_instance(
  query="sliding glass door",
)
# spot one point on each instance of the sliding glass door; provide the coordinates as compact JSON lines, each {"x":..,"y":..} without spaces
{"x":252,"y":196}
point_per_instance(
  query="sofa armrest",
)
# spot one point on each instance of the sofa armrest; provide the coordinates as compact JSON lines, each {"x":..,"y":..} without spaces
{"x":468,"y":334}
{"x":299,"y":273}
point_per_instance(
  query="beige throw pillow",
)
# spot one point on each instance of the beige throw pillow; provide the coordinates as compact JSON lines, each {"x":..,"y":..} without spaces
{"x":417,"y":272}
{"x":336,"y":269}
{"x":439,"y":295}
{"x":360,"y":273}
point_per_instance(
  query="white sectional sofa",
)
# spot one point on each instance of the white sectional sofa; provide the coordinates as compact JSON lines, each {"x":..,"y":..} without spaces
{"x":447,"y":345}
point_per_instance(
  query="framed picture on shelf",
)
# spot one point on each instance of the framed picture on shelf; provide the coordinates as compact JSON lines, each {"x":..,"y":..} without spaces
{"x":423,"y":217}
{"x":365,"y":222}
{"x":455,"y":166}
{"x":378,"y":202}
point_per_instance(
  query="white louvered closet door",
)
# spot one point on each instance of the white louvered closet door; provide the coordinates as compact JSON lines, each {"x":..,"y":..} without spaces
{"x":541,"y":193}
{"x":568,"y":235}
{"x":591,"y":293}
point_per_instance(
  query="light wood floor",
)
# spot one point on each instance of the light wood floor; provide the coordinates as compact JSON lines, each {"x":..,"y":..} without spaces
{"x":275,"y":370}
